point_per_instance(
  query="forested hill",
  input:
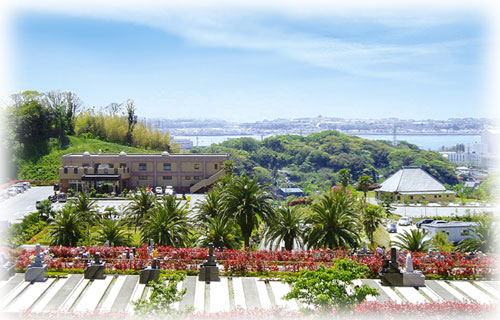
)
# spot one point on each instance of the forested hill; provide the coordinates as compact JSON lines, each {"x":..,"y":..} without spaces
{"x":311,"y":162}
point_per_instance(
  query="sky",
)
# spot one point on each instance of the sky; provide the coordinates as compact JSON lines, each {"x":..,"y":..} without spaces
{"x":255,"y":61}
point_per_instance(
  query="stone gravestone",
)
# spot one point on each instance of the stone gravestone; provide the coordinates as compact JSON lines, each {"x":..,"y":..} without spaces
{"x":151,"y":273}
{"x":37,"y":270}
{"x":6,"y":267}
{"x":94,"y":270}
{"x":391,"y":275}
{"x":208,"y":270}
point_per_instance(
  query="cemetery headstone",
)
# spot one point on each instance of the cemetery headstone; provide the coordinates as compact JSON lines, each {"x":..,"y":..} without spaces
{"x":209,"y":270}
{"x":37,"y":270}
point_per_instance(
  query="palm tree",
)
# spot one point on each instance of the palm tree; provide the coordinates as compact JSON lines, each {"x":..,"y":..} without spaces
{"x":210,"y":206}
{"x":440,"y":242}
{"x":66,"y":228}
{"x":412,"y":241}
{"x":485,"y":239}
{"x":345,"y":176}
{"x":245,"y":201}
{"x":371,"y":219}
{"x":141,"y":206}
{"x":167,"y":224}
{"x":334,"y":222}
{"x":364,"y":183}
{"x":86,"y":208}
{"x":114,"y":232}
{"x":220,"y":231}
{"x":287,"y":226}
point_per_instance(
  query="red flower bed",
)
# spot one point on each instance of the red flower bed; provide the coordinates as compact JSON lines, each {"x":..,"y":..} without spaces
{"x":241,"y":261}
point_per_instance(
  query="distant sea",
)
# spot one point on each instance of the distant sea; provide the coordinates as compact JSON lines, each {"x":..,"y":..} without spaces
{"x":426,"y":142}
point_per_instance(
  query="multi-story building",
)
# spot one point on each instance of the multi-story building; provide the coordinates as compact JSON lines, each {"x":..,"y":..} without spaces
{"x":115,"y":172}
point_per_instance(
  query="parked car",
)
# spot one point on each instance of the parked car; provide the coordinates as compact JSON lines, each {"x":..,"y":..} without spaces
{"x":159,"y":190}
{"x":439,"y":221}
{"x":423,"y":221}
{"x":12,"y":192}
{"x":27,"y":184}
{"x":169,"y":191}
{"x":404,"y":221}
{"x":391,"y":227}
{"x":62,"y":197}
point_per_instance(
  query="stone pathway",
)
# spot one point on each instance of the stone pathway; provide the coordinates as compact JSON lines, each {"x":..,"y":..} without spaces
{"x":117,"y":293}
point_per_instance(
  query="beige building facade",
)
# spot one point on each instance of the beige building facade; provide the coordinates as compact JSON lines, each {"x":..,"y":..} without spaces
{"x":115,"y":172}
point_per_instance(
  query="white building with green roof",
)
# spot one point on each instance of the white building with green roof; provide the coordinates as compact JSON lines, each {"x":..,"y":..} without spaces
{"x":413,"y":184}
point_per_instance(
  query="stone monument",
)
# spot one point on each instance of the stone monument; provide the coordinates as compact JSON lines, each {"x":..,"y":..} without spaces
{"x":37,"y":270}
{"x":6,"y":267}
{"x":391,"y":275}
{"x":94,"y":270}
{"x":208,"y":270}
{"x":151,"y":273}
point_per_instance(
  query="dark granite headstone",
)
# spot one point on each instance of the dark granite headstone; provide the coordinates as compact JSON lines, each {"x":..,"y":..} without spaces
{"x":208,"y":270}
{"x":391,"y":275}
{"x":95,"y":270}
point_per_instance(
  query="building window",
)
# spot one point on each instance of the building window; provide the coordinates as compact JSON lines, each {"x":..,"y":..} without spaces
{"x":123,"y":165}
{"x":196,"y":178}
{"x":167,"y":166}
{"x":85,"y":165}
{"x":188,"y":178}
{"x":75,"y":170}
{"x":85,"y":170}
{"x":196,"y":166}
{"x":411,"y":197}
{"x":143,"y":178}
{"x":167,"y":177}
{"x":142,"y":167}
{"x":65,"y":170}
{"x":216,"y":166}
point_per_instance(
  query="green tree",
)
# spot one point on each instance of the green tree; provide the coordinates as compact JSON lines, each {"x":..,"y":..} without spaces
{"x":345,"y":177}
{"x":440,"y":242}
{"x":210,"y":206}
{"x":86,"y":208}
{"x":167,"y":224}
{"x":141,"y":206}
{"x":66,"y":228}
{"x":221,"y":232}
{"x":245,"y":201}
{"x":287,"y":226}
{"x":412,"y":241}
{"x":334,"y":222}
{"x":163,"y":295}
{"x":364,"y":183}
{"x":331,"y":288}
{"x":485,"y":238}
{"x":132,"y":119}
{"x":371,"y":219}
{"x":113,"y":231}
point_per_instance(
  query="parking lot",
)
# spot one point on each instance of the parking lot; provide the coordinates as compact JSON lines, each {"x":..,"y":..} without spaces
{"x":16,"y":207}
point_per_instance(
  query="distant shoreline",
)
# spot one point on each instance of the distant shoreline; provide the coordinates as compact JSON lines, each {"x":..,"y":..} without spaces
{"x":349,"y":133}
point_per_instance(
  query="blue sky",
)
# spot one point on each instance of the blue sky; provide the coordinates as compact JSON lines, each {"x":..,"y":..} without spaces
{"x":247,"y":65}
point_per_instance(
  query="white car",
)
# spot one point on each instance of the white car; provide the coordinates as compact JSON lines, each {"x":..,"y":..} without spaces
{"x":404,"y":221}
{"x":169,"y":191}
{"x":159,"y":190}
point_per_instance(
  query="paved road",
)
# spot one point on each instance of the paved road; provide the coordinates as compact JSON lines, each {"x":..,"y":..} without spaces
{"x":16,"y":207}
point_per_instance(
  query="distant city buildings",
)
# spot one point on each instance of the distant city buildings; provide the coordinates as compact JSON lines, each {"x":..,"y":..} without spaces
{"x":484,"y":154}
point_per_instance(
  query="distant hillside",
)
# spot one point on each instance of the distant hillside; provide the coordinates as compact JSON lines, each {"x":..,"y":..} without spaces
{"x":51,"y":162}
{"x":312,"y":162}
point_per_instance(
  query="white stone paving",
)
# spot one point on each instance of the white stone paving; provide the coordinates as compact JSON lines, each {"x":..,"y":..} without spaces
{"x":219,"y":296}
{"x":265,"y":301}
{"x":93,"y":294}
{"x":473,"y":292}
{"x":239,"y":295}
{"x":56,"y":286}
{"x":199,"y":296}
{"x":34,"y":290}
{"x":113,"y":293}
{"x":451,"y":290}
{"x":100,"y":295}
